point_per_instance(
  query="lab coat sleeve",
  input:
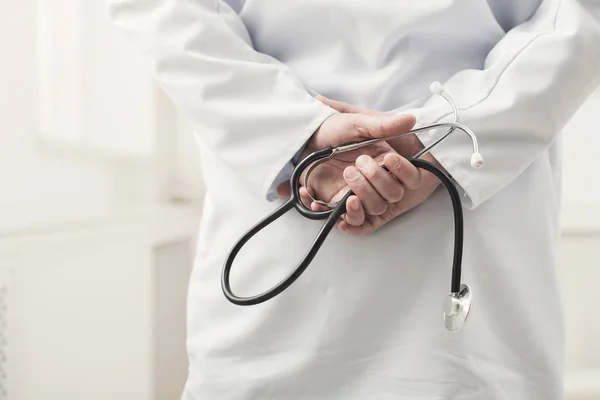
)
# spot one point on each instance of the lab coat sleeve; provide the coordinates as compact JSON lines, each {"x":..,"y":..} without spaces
{"x":249,"y":109}
{"x":285,"y":174}
{"x":532,"y":83}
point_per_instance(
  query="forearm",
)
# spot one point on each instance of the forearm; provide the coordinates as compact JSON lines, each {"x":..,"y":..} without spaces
{"x":249,"y":109}
{"x":533,"y":81}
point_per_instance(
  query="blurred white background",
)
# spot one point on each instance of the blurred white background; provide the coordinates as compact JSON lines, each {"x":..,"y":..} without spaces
{"x":100,"y":200}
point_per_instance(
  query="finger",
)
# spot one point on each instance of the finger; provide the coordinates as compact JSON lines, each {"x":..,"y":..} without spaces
{"x":305,"y":196}
{"x":283,"y":190}
{"x":372,"y":201}
{"x":355,"y":214}
{"x":347,"y":108}
{"x":318,"y":207}
{"x":363,"y":229}
{"x":381,"y":126}
{"x":385,"y":184}
{"x":346,"y":128}
{"x":308,"y":200}
{"x":403,"y":169}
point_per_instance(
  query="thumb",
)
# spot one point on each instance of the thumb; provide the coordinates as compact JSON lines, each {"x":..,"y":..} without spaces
{"x":381,"y":126}
{"x":284,"y":190}
{"x":342,"y":107}
{"x":342,"y":129}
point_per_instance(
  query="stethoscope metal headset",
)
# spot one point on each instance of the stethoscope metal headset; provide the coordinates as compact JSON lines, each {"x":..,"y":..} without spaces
{"x":458,"y":302}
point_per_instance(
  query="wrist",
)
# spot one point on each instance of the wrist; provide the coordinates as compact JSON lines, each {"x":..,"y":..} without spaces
{"x":308,"y":149}
{"x":301,"y":153}
{"x":430,"y":158}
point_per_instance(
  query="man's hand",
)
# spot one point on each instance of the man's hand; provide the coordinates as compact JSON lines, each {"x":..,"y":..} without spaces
{"x":327,"y":181}
{"x":380,"y":196}
{"x":357,"y":219}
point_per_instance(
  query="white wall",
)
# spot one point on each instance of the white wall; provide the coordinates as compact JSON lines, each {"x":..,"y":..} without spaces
{"x":581,"y":143}
{"x":35,"y":187}
{"x":97,"y":311}
{"x":124,"y":149}
{"x":96,"y":269}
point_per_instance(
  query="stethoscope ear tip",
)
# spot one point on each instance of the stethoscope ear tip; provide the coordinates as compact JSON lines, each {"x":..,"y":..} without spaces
{"x":436,"y":88}
{"x":477,"y":160}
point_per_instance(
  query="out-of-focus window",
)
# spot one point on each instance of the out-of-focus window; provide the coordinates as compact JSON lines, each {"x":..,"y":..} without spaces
{"x":94,"y":92}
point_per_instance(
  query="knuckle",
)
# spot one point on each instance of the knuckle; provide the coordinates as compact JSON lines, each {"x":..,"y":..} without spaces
{"x":371,"y":173}
{"x":356,"y":221}
{"x":362,"y":130}
{"x":381,"y":127}
{"x":418,"y":180}
{"x":379,"y":208}
{"x":397,"y":195}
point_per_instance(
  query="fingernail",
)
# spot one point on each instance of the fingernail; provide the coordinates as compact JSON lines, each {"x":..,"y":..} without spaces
{"x":353,"y":205}
{"x":395,"y":163}
{"x":350,"y":173}
{"x":362,"y":161}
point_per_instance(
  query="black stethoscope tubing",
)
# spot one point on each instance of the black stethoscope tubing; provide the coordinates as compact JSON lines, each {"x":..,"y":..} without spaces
{"x":331,"y":217}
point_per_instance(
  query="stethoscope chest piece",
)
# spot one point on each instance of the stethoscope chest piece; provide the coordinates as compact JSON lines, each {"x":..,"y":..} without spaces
{"x":457,"y":308}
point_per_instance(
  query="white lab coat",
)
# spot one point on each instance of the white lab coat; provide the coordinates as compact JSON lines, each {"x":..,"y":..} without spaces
{"x":365,"y":320}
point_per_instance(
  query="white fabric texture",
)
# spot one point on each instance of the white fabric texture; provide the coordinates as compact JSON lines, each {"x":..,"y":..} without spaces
{"x":365,"y":320}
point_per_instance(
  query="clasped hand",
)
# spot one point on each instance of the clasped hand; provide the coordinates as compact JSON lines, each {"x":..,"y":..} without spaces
{"x":380,"y":196}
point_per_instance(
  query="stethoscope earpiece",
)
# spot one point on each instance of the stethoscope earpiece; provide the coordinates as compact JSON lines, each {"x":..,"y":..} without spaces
{"x":436,"y":88}
{"x":477,"y":160}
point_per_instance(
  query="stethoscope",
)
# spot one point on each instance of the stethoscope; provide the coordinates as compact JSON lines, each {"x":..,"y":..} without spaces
{"x":458,"y":302}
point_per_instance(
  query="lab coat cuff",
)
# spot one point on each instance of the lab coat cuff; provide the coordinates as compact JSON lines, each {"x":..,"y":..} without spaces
{"x":284,"y":175}
{"x":447,"y":159}
{"x":284,"y":168}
